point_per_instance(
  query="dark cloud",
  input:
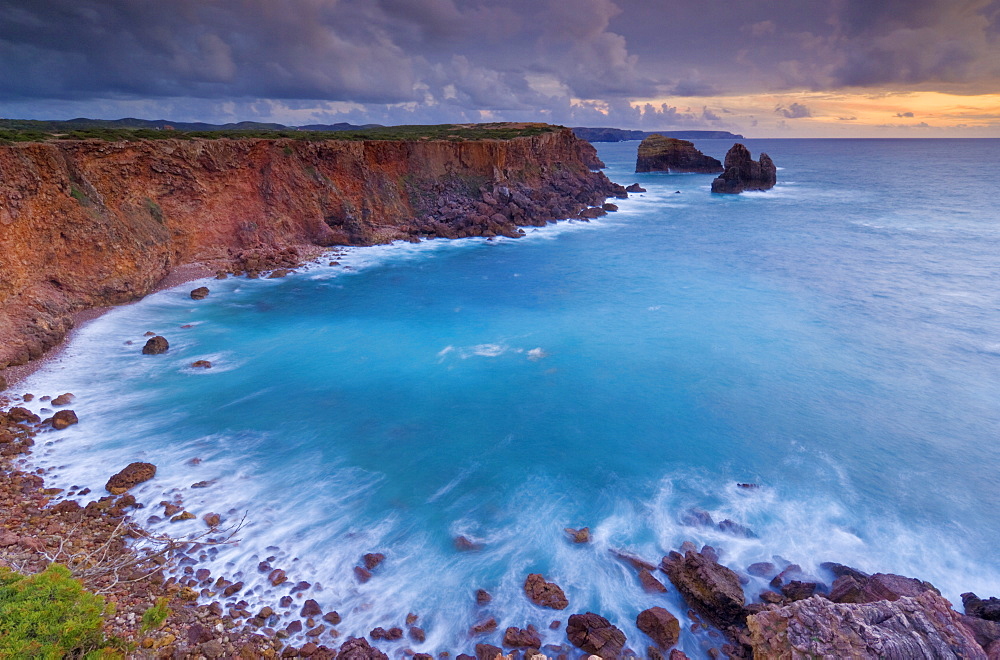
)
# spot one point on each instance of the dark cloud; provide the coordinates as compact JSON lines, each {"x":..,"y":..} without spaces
{"x":904,"y":114}
{"x":794,"y":111}
{"x":444,"y":60}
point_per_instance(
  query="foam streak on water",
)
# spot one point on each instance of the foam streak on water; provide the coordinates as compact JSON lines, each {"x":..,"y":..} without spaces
{"x":833,"y":340}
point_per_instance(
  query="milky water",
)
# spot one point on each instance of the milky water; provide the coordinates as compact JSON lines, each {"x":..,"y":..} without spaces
{"x":835,"y":340}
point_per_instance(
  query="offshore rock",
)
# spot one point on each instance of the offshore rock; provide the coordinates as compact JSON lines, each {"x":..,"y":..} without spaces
{"x":710,"y":588}
{"x":662,"y":154}
{"x":132,"y":475}
{"x":200,"y":293}
{"x":744,"y":173}
{"x":911,"y":627}
{"x":595,"y":634}
{"x":546,"y":594}
{"x":635,"y":188}
{"x":661,"y":626}
{"x":64,"y":418}
{"x":156,"y":345}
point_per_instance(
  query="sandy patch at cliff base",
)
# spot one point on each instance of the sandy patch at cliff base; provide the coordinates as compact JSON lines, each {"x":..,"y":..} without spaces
{"x":176,"y":276}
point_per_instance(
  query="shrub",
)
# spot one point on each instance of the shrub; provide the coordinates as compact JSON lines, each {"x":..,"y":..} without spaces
{"x":47,"y":615}
{"x":156,"y":615}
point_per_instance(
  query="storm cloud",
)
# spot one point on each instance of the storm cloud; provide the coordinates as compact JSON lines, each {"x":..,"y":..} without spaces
{"x":457,"y":60}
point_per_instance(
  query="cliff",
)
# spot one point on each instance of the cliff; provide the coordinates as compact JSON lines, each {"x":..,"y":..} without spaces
{"x":745,"y":173}
{"x":663,"y":154}
{"x":91,"y":223}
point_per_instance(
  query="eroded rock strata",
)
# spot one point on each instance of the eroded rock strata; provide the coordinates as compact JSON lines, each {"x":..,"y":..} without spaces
{"x":92,"y":223}
{"x":663,"y":154}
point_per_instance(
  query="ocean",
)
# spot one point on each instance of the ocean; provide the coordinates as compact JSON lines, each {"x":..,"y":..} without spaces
{"x":834,"y":341}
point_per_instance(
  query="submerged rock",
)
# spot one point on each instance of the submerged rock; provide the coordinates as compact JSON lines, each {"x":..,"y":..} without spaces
{"x":744,"y":173}
{"x":200,"y":293}
{"x":581,"y":535}
{"x":921,"y":626}
{"x":663,"y":154}
{"x":156,"y":345}
{"x":595,"y":634}
{"x":132,"y":475}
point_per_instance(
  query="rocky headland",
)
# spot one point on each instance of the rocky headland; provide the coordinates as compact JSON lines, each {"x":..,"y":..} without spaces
{"x":744,"y":173}
{"x":91,"y":223}
{"x":658,"y":153}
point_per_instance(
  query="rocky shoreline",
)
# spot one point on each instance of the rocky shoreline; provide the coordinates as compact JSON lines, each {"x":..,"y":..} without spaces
{"x":843,"y":612}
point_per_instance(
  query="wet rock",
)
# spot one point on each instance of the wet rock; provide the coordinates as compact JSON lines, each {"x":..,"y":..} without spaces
{"x":593,"y":212}
{"x":635,"y":188}
{"x":212,"y":519}
{"x":333,"y":618}
{"x":64,"y":419}
{"x":156,"y":345}
{"x":316,"y":632}
{"x":362,"y":574}
{"x":763,"y":569}
{"x":595,"y":634}
{"x":712,"y":589}
{"x":201,"y":364}
{"x":372,"y":560}
{"x":609,"y":207}
{"x":921,"y":626}
{"x":581,"y":535}
{"x":677,"y":654}
{"x":276,"y":577}
{"x":488,"y":652}
{"x":744,"y":173}
{"x":310,"y":608}
{"x":736,"y":529}
{"x":988,"y":609}
{"x":132,"y":475}
{"x":63,"y":399}
{"x":487,"y":626}
{"x":417,"y":634}
{"x":522,"y":637}
{"x":483,"y":597}
{"x":358,"y":648}
{"x":464,"y":544}
{"x":411,"y":618}
{"x":650,"y":584}
{"x":661,"y":626}
{"x":771,"y":597}
{"x":545,"y":594}
{"x":797,"y":590}
{"x":695,"y":517}
{"x":20,"y":415}
{"x":200,"y":293}
{"x":181,"y":517}
{"x":880,"y":586}
{"x":658,"y":153}
{"x":277,"y":274}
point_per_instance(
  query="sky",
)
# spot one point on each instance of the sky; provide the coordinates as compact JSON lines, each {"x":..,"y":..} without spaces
{"x":763,"y":68}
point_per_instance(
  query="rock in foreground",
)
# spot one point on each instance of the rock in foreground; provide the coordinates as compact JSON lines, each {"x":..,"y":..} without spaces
{"x":132,"y":475}
{"x":662,"y":154}
{"x":595,"y":634}
{"x":923,"y":626}
{"x":744,"y":173}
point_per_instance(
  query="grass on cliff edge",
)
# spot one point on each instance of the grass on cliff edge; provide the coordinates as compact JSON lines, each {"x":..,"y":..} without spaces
{"x":49,"y":615}
{"x":31,"y":131}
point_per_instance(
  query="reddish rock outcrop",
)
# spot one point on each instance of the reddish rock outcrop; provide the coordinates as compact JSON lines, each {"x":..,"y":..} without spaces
{"x":595,"y":634}
{"x":712,"y":589}
{"x":921,"y":626}
{"x":88,"y":223}
{"x":663,"y":154}
{"x":132,"y":475}
{"x":546,"y":594}
{"x":744,"y":173}
{"x":661,"y":626}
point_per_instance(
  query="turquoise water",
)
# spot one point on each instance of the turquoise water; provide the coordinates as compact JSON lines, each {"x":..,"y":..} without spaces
{"x":835,"y":340}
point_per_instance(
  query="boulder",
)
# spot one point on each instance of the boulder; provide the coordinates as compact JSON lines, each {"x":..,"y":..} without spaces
{"x":595,"y":634}
{"x":358,"y":648}
{"x":710,"y":588}
{"x":736,"y":529}
{"x":661,"y":626}
{"x":650,"y":584}
{"x":881,"y":586}
{"x":921,"y":626}
{"x":581,"y":535}
{"x":798,"y":590}
{"x":201,"y":364}
{"x":635,"y":188}
{"x":64,"y":418}
{"x":524,"y":638}
{"x":744,"y":173}
{"x":483,"y":597}
{"x":372,"y":560}
{"x":310,"y":608}
{"x":988,"y":609}
{"x":200,"y":293}
{"x":63,"y":399}
{"x":483,"y":627}
{"x":663,"y":154}
{"x":763,"y":569}
{"x":132,"y":475}
{"x":156,"y":345}
{"x":486,"y":652}
{"x":545,"y":594}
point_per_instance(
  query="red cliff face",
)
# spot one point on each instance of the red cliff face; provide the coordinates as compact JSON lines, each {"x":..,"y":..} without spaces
{"x":93,"y":223}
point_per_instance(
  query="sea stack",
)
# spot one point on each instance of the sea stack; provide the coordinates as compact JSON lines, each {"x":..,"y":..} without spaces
{"x":745,"y":173}
{"x":662,"y":154}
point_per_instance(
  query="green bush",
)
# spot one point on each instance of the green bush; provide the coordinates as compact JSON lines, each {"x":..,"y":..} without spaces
{"x":47,"y":615}
{"x":156,"y":615}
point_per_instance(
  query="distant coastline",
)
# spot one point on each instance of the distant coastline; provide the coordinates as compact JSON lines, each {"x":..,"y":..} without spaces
{"x":624,"y":135}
